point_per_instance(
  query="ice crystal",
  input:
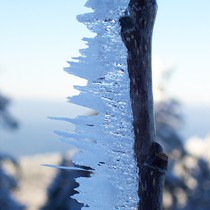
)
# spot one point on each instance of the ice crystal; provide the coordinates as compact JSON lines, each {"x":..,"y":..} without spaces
{"x":105,"y":140}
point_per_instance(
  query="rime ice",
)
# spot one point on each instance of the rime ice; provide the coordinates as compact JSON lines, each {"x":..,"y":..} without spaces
{"x":105,"y":140}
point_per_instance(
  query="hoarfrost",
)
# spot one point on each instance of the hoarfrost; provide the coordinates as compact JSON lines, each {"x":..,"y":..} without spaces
{"x":105,"y":140}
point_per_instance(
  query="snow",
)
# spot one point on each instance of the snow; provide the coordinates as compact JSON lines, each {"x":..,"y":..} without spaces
{"x":199,"y":147}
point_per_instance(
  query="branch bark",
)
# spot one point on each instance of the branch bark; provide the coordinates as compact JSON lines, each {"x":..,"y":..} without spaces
{"x":136,"y":33}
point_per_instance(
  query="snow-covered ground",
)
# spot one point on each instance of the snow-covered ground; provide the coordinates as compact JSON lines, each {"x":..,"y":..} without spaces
{"x":35,"y":178}
{"x":199,"y":147}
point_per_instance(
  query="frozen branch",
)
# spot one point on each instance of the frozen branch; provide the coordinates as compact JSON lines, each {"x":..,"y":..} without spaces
{"x":136,"y":32}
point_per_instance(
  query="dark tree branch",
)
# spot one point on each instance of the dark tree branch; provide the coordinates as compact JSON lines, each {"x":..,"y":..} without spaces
{"x":136,"y":32}
{"x":152,"y":176}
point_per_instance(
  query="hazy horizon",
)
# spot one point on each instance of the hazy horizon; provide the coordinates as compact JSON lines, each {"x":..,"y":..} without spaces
{"x":36,"y":132}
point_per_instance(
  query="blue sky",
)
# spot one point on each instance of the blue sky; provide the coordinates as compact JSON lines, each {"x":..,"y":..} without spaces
{"x":181,"y":39}
{"x":38,"y":37}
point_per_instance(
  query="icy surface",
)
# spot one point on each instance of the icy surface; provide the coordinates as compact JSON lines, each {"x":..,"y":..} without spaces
{"x":104,"y":140}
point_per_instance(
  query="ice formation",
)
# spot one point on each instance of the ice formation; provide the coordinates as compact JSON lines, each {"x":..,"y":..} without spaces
{"x":105,"y":139}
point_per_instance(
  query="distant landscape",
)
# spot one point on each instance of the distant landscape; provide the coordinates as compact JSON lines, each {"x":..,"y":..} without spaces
{"x":196,"y":121}
{"x":36,"y":132}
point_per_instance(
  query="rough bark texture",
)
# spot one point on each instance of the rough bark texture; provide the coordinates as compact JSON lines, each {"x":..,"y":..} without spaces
{"x":152,"y":178}
{"x":136,"y":31}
